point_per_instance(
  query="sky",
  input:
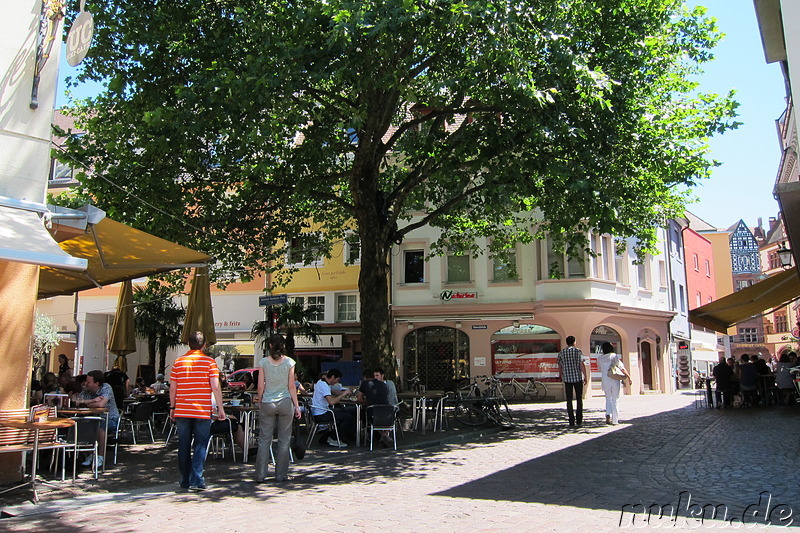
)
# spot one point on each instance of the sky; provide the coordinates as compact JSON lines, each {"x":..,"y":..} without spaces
{"x":741,"y":188}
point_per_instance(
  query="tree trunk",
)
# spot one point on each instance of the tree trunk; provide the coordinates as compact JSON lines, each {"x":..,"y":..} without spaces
{"x":151,"y":350}
{"x":162,"y":357}
{"x":373,"y":285}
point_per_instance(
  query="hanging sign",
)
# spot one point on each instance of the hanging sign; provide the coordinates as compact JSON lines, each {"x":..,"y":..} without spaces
{"x":80,"y":37}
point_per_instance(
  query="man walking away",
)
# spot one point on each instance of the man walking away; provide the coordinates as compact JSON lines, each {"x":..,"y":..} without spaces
{"x":194,"y":378}
{"x":573,"y":374}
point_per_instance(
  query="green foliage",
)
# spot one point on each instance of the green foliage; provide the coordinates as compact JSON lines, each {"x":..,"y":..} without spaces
{"x":293,"y":319}
{"x":263,"y":120}
{"x":45,"y":335}
{"x":158,"y":319}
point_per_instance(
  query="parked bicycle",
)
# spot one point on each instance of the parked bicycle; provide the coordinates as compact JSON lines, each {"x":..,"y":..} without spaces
{"x":488,"y":405}
{"x":535,"y":390}
{"x":415,"y":384}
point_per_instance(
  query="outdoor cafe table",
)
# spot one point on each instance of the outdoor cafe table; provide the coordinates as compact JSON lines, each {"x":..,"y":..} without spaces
{"x":247,"y":418}
{"x":350,"y":401}
{"x":53,"y":423}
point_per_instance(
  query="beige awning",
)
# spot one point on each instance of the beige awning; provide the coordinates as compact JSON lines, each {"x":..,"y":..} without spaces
{"x":765,"y":295}
{"x":115,"y":252}
{"x":24,"y":239}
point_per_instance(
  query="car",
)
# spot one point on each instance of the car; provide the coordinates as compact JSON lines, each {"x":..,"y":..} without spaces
{"x":236,"y":379}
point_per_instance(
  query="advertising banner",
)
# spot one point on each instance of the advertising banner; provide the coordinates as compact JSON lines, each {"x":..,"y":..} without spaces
{"x":527,"y":359}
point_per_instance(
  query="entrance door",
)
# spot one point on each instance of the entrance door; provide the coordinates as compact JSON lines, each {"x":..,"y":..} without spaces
{"x":437,"y":354}
{"x":647,"y":366}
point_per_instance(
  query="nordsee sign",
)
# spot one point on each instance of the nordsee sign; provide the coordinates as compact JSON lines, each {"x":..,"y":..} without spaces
{"x":272,"y":299}
{"x":446,"y":296}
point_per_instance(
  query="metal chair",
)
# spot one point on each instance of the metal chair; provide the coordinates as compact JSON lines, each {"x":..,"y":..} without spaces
{"x":217,"y":444}
{"x":314,"y":426}
{"x":87,"y":429}
{"x":142,"y":412}
{"x":381,"y":418}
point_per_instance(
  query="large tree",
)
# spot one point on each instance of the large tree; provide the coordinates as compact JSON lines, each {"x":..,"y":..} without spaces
{"x":235,"y":125}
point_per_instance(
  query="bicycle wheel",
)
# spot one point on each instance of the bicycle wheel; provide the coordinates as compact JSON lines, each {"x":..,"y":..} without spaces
{"x":495,"y":414}
{"x":469,"y":415}
{"x":536,"y":389}
{"x":508,"y":391}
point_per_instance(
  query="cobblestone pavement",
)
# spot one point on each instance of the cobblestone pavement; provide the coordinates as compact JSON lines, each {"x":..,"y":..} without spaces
{"x":543,"y":476}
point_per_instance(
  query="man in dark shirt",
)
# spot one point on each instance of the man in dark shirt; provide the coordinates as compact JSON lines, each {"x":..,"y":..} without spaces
{"x":374,"y":392}
{"x":120,"y":384}
{"x":723,"y":375}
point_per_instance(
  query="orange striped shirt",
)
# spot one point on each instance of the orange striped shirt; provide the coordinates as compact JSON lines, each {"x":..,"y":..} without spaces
{"x":190,"y":375}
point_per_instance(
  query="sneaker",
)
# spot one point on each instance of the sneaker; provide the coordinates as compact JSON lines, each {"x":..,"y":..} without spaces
{"x":198,"y":488}
{"x":100,"y":461}
{"x":336,"y":444}
{"x":88,"y":461}
{"x":608,"y":419}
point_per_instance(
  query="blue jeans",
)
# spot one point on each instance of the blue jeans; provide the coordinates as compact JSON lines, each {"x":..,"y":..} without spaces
{"x":192,"y":432}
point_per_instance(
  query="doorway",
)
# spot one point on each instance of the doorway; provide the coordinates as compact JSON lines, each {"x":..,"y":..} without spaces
{"x":647,"y":366}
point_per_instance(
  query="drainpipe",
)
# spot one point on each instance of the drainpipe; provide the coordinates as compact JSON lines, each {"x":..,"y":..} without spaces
{"x":77,"y":335}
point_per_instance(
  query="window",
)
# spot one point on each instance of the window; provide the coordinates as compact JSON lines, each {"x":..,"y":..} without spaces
{"x":505,"y":268}
{"x":304,"y":250}
{"x":307,"y":301}
{"x":682,"y":295}
{"x":696,"y":262}
{"x":352,"y":249}
{"x":742,"y":284}
{"x":597,"y":261}
{"x":708,"y":269}
{"x":346,"y":307}
{"x":781,"y":324}
{"x":699,"y":300}
{"x":319,"y":314}
{"x":748,"y":334}
{"x":642,"y":273}
{"x":458,"y":268}
{"x":414,"y":266}
{"x":621,"y":268}
{"x":608,"y":257}
{"x":662,"y":273}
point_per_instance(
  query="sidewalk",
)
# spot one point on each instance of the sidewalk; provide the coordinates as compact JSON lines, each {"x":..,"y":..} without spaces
{"x":542,"y":476}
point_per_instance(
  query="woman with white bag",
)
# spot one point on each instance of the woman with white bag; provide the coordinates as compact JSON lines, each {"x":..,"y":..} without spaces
{"x":613,"y":373}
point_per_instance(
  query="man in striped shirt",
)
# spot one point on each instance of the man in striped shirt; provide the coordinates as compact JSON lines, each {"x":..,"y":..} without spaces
{"x":194,"y":378}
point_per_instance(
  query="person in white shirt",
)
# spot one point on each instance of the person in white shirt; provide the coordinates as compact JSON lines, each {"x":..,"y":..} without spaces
{"x":322,"y":402}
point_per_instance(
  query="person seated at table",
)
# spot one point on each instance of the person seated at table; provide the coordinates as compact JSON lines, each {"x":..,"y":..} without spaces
{"x":98,"y":393}
{"x":784,"y":379}
{"x":748,"y":383}
{"x":50,"y":384}
{"x":374,"y":392}
{"x":380,"y":375}
{"x":249,"y":383}
{"x":140,"y":387}
{"x":160,"y":385}
{"x":324,"y":398}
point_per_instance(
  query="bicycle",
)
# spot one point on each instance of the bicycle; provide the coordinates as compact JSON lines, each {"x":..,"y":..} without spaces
{"x":415,"y":384}
{"x":536,"y":390}
{"x":477,"y":410}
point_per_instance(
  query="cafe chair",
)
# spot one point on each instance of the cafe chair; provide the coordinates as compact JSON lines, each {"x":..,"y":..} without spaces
{"x":86,"y":428}
{"x":381,"y":418}
{"x":314,"y":427}
{"x":142,"y":412}
{"x":217,"y":443}
{"x":160,"y":409}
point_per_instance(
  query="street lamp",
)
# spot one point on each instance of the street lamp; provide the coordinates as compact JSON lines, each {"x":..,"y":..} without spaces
{"x":785,"y":255}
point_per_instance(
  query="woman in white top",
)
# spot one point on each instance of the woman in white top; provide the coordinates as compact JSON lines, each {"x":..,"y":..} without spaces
{"x":277,"y":398}
{"x":611,"y":386}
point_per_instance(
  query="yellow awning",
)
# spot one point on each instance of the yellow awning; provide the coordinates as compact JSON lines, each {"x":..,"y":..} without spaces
{"x":767,"y":294}
{"x":115,"y":253}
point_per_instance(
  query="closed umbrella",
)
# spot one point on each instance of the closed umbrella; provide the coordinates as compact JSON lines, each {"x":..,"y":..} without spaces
{"x":199,"y":314}
{"x":123,"y":335}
